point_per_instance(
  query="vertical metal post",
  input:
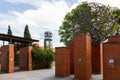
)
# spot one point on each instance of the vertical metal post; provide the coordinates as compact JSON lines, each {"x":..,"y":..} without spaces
{"x":10,"y":41}
{"x":3,"y":43}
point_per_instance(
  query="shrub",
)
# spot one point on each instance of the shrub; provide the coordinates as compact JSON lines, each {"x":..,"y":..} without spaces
{"x":42,"y":58}
{"x":49,"y":57}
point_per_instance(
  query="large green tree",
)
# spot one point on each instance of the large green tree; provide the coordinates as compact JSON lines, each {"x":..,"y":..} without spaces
{"x":27,"y":34}
{"x":9,"y":31}
{"x":93,"y":18}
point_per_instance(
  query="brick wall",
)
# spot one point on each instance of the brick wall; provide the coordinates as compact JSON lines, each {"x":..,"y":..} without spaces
{"x":62,"y":60}
{"x":11,"y":58}
{"x":70,"y":45}
{"x":25,"y":58}
{"x":36,"y":45}
{"x":82,"y":57}
{"x":111,"y":59}
{"x":114,"y":39}
{"x":4,"y":58}
{"x":0,"y":55}
{"x":111,"y":62}
{"x":97,"y":58}
{"x":7,"y":58}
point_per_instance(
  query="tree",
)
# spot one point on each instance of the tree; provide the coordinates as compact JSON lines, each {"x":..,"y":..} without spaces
{"x":9,"y":31}
{"x":27,"y":33}
{"x":116,"y":14}
{"x":93,"y":18}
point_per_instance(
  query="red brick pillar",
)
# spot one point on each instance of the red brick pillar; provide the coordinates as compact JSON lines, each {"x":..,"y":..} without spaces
{"x":70,"y":45}
{"x":111,"y":59}
{"x":114,"y":39}
{"x":62,"y":62}
{"x":7,"y":58}
{"x":97,"y":58}
{"x":111,"y":62}
{"x":25,"y":58}
{"x":82,"y":57}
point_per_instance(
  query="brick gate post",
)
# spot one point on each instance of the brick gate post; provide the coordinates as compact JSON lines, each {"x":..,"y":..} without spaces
{"x":70,"y":45}
{"x":82,"y":57}
{"x":97,"y":58}
{"x":7,"y":58}
{"x":111,"y":59}
{"x":25,"y":58}
{"x":62,"y":65}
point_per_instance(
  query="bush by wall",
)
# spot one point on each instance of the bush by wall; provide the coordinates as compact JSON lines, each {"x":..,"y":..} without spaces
{"x":42,"y":59}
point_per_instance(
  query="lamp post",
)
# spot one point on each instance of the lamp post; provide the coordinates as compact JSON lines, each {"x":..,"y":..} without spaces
{"x":48,"y":40}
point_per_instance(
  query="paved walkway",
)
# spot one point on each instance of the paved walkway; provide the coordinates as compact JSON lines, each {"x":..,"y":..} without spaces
{"x":45,"y":74}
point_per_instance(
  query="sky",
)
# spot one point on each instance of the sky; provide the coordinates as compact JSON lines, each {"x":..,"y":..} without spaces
{"x":40,"y":15}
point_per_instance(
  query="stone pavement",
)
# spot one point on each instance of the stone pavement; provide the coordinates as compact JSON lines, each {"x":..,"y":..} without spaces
{"x":45,"y":74}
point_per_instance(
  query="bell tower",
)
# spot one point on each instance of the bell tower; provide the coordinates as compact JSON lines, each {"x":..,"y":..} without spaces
{"x":48,"y":40}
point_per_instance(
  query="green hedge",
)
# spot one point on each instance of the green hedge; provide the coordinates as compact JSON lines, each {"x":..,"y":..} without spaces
{"x":42,"y":59}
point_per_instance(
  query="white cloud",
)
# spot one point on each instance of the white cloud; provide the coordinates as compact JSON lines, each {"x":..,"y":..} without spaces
{"x":32,"y":2}
{"x":48,"y":17}
{"x":37,"y":3}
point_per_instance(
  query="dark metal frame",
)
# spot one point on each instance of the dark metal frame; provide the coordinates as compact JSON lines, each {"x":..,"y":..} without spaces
{"x":11,"y":39}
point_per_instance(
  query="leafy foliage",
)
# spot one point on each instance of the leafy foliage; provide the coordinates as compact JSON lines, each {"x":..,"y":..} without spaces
{"x":27,"y":33}
{"x":65,"y":29}
{"x":116,"y":14}
{"x":42,"y":58}
{"x":16,"y":55}
{"x":10,"y":34}
{"x":93,"y":18}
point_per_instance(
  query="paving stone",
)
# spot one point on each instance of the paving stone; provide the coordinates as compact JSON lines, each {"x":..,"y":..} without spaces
{"x":44,"y":74}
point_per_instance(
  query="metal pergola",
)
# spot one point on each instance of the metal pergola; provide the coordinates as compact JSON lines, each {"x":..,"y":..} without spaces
{"x":10,"y":39}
